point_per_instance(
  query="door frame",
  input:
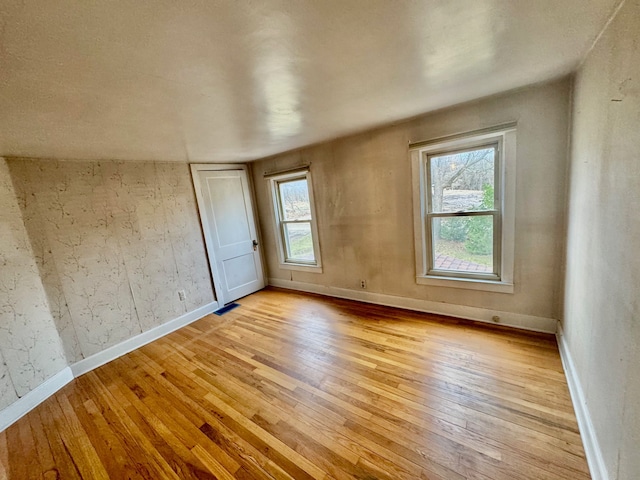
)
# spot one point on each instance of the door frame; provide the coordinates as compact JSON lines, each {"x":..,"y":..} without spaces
{"x":204,"y":222}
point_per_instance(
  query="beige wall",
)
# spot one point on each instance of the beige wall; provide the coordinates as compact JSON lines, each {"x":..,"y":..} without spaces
{"x":363,"y":196}
{"x":30,"y":348}
{"x":114,"y":242}
{"x":602,"y":314}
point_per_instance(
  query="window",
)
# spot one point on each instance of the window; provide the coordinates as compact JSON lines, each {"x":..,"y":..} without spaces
{"x":464,"y":210}
{"x":295,"y":221}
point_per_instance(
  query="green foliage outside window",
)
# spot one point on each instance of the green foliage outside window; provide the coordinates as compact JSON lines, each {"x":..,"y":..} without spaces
{"x":476,"y":232}
{"x":454,"y":229}
{"x":480,"y":229}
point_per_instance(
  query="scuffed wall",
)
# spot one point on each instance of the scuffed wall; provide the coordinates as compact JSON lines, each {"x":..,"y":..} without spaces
{"x":362,"y":188}
{"x":602,"y":308}
{"x":30,"y":348}
{"x":114,"y":243}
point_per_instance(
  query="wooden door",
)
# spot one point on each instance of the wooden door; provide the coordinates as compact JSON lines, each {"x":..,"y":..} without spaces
{"x":226,"y":211}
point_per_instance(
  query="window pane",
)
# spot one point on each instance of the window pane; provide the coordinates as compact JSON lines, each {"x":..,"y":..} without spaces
{"x":463,"y":181}
{"x":299,"y":241}
{"x":463,"y":244}
{"x":294,"y":196}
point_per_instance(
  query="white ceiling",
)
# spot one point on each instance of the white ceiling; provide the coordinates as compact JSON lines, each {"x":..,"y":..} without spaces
{"x":226,"y":80}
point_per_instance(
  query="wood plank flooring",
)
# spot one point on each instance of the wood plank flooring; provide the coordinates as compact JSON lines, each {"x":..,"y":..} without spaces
{"x":297,"y":386}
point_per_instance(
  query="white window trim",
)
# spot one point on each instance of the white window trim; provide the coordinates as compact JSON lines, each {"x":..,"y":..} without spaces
{"x":277,"y":228}
{"x":506,"y":136}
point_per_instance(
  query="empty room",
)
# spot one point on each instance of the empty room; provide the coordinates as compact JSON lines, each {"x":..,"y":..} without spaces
{"x":320,"y":239}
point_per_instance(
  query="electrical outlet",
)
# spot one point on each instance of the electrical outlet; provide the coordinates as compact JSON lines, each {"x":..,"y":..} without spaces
{"x":181,"y":295}
{"x":363,"y":284}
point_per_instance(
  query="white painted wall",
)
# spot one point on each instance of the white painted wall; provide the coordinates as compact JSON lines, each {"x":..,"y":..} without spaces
{"x":602,"y":307}
{"x":363,"y":197}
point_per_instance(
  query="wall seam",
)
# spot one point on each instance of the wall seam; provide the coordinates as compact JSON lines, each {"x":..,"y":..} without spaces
{"x":610,"y":19}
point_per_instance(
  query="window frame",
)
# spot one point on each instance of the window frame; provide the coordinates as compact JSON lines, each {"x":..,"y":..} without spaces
{"x":503,"y":138}
{"x":279,"y":222}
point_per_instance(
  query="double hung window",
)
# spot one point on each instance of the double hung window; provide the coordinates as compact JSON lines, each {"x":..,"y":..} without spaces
{"x":463,"y":210}
{"x":295,"y":221}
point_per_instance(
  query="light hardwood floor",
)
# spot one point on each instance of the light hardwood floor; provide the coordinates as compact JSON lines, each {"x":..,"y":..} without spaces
{"x":300,"y":386}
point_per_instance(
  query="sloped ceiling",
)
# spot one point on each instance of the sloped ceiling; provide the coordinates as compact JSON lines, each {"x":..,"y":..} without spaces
{"x":206,"y":80}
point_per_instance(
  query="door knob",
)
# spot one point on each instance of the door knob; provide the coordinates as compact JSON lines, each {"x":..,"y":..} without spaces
{"x":255,"y":245}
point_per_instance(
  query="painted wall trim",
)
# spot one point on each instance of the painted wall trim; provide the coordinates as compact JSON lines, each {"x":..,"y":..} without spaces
{"x":122,"y":348}
{"x":35,"y":397}
{"x":517,"y":320}
{"x":592,"y":449}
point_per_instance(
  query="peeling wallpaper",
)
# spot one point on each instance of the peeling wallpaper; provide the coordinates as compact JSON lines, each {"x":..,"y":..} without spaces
{"x":30,"y":348}
{"x":114,"y":243}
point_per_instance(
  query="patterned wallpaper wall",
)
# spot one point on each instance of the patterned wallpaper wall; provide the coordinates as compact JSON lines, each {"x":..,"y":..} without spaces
{"x":30,"y":348}
{"x":8,"y":393}
{"x":114,"y":243}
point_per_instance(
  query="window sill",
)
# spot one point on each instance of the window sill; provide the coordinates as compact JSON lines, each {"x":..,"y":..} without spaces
{"x":301,"y":267}
{"x":466,"y":283}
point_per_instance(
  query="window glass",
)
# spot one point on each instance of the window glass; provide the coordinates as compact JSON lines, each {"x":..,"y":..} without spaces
{"x":463,"y":244}
{"x":459,"y":179}
{"x":294,"y":196}
{"x":462,"y":183}
{"x":299,"y":241}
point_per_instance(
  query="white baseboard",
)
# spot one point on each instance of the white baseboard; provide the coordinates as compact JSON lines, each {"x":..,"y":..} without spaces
{"x":129,"y":345}
{"x":592,"y":449}
{"x":517,"y":320}
{"x":35,"y":397}
{"x":28,"y":402}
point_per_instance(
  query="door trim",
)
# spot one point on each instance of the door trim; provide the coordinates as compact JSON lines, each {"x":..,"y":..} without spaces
{"x":204,"y":222}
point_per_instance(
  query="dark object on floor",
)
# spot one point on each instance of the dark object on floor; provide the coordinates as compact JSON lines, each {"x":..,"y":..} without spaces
{"x":226,"y":308}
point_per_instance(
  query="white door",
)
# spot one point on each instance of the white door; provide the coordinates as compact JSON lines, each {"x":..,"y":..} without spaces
{"x":224,"y":201}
